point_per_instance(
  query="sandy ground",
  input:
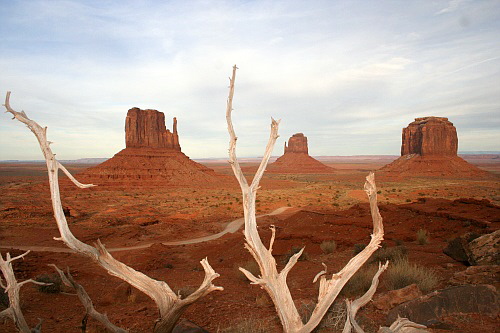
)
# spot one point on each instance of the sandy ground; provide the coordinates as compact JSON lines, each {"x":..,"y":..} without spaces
{"x":322,"y":207}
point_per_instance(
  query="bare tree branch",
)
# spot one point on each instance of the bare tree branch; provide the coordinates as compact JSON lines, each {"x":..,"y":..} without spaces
{"x":353,"y":307}
{"x":271,"y":281}
{"x":68,"y":280}
{"x":12,"y":288}
{"x":170,"y":305}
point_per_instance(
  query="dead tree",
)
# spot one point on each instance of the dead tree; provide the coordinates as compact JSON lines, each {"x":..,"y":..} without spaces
{"x":272,"y":281}
{"x":170,"y":305}
{"x":12,"y":288}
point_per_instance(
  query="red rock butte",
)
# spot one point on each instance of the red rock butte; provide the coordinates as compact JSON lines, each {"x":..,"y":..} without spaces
{"x":152,"y":153}
{"x":296,"y":158}
{"x":429,"y":148}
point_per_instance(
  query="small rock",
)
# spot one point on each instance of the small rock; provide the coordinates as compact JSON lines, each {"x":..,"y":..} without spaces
{"x":456,"y":248}
{"x":390,"y":299}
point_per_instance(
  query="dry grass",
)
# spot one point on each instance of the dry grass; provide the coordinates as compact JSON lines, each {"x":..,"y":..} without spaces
{"x":422,"y":237}
{"x":402,"y":273}
{"x":328,"y":246}
{"x":248,"y":325}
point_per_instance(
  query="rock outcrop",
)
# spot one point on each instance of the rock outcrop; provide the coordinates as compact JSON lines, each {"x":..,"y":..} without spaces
{"x":430,"y":136}
{"x":152,"y":155}
{"x":297,"y":144}
{"x":428,"y":309}
{"x":296,"y":158}
{"x":429,"y":149}
{"x":146,"y":129}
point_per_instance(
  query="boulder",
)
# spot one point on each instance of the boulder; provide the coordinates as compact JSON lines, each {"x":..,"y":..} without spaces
{"x":485,"y":250}
{"x":390,"y":299}
{"x":456,"y":248}
{"x":428,"y":309}
{"x":477,"y":275}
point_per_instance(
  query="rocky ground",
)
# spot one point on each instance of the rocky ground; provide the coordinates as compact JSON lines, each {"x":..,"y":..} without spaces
{"x":323,"y":208}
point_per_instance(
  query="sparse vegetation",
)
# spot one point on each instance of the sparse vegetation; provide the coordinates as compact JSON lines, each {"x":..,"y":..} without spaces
{"x":358,"y":248}
{"x":248,"y":325}
{"x":55,"y":285}
{"x":250,"y":266}
{"x":293,"y":250}
{"x":360,"y":282}
{"x":422,"y":237}
{"x":402,"y":273}
{"x":328,"y":246}
{"x":389,"y":253}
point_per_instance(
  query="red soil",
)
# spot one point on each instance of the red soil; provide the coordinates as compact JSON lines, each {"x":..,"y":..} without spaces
{"x":131,"y":216}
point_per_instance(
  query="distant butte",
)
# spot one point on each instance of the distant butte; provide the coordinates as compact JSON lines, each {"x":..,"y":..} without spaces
{"x":429,"y":148}
{"x":296,"y":158}
{"x":152,"y":153}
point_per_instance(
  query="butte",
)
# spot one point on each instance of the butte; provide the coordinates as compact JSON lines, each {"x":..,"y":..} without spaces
{"x":296,"y":159}
{"x":152,"y":156}
{"x":429,"y":149}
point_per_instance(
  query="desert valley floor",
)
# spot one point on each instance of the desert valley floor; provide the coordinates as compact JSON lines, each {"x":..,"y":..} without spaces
{"x":320,"y":208}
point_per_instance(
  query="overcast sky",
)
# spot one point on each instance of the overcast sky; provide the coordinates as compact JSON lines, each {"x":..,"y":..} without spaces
{"x":348,"y":74}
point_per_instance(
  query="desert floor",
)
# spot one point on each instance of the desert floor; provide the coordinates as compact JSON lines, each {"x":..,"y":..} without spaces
{"x":321,"y":208}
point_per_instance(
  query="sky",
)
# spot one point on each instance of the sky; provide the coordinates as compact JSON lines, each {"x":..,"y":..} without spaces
{"x":348,"y":74}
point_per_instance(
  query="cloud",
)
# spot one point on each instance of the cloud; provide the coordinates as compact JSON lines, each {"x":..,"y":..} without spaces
{"x":348,"y":74}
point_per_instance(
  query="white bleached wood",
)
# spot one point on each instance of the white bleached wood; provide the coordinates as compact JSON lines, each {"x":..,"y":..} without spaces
{"x":353,"y":307}
{"x":170,"y":305}
{"x":272,"y":281}
{"x":12,"y":288}
{"x":68,"y":280}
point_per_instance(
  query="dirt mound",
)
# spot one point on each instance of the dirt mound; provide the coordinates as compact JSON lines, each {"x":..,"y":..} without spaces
{"x":432,"y":166}
{"x":140,"y":165}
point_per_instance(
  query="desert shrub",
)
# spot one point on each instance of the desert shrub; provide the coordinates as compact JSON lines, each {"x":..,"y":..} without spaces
{"x":4,"y":298}
{"x":55,"y":285}
{"x":249,"y":325}
{"x":358,"y":248}
{"x":328,"y":246}
{"x":293,"y":250}
{"x":333,"y":320}
{"x":251,"y":266}
{"x":389,"y":253}
{"x":402,"y":273}
{"x":186,"y":291}
{"x":360,"y":282}
{"x":422,"y":237}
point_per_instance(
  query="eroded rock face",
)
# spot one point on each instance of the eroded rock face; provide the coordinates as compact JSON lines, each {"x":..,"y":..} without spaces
{"x":485,"y":250}
{"x":296,"y":158}
{"x":430,"y":136}
{"x":146,"y":129}
{"x":460,"y":299}
{"x":297,"y":144}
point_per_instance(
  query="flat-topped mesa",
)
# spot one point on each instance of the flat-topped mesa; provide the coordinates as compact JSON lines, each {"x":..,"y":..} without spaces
{"x":430,"y":136}
{"x":297,"y":144}
{"x":146,"y":129}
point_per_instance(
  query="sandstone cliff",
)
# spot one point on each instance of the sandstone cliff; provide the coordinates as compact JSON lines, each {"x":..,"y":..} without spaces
{"x":152,"y":156}
{"x":296,"y":159}
{"x":430,"y":136}
{"x":429,"y":148}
